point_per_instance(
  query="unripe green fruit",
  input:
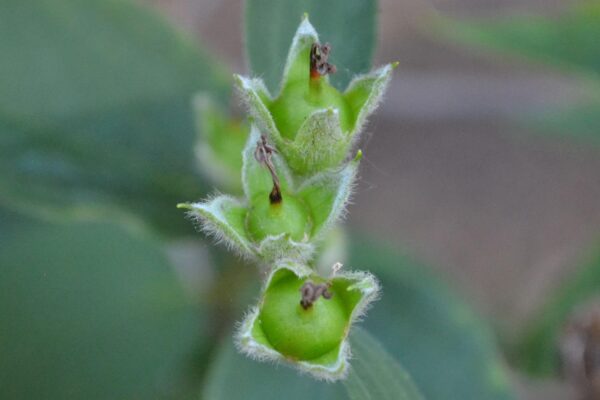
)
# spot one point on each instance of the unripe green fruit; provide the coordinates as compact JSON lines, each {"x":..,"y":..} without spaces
{"x":298,"y":333}
{"x":300,"y":99}
{"x":287,"y":216}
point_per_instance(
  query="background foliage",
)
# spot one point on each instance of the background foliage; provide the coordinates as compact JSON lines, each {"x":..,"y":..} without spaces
{"x":96,"y":148}
{"x":565,"y":42}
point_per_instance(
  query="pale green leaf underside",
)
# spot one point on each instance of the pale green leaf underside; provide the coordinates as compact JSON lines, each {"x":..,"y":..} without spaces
{"x":233,"y":376}
{"x":374,"y":374}
{"x":259,"y":380}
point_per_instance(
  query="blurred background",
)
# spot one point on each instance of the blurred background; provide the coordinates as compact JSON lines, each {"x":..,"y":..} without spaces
{"x":449,"y":174}
{"x":455,"y":173}
{"x":475,"y":165}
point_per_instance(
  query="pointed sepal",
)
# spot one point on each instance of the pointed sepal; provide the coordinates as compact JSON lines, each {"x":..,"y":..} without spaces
{"x":327,"y":195}
{"x":256,"y":178}
{"x":364,"y":94}
{"x":257,"y":100}
{"x":319,"y":144}
{"x":297,"y":65}
{"x":274,"y":248}
{"x":223,"y":218}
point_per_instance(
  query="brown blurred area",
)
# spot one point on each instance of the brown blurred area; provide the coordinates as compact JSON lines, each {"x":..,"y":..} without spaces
{"x":501,"y":213}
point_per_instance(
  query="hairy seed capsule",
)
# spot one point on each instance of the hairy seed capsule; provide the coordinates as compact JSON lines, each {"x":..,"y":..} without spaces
{"x":298,"y":333}
{"x":271,"y":219}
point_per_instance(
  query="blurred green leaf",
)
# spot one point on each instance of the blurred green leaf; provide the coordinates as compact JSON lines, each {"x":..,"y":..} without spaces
{"x":90,"y":311}
{"x":220,"y":140}
{"x":234,"y":376}
{"x":568,"y":40}
{"x":449,"y":353}
{"x":537,"y":352}
{"x":578,"y":122}
{"x":349,"y":25}
{"x":374,"y":374}
{"x":95,"y":110}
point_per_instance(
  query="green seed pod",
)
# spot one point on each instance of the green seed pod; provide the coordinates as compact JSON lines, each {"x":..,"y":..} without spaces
{"x":272,"y":224}
{"x":304,"y":319}
{"x":310,"y":122}
{"x":301,"y":333}
{"x":287,"y":216}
